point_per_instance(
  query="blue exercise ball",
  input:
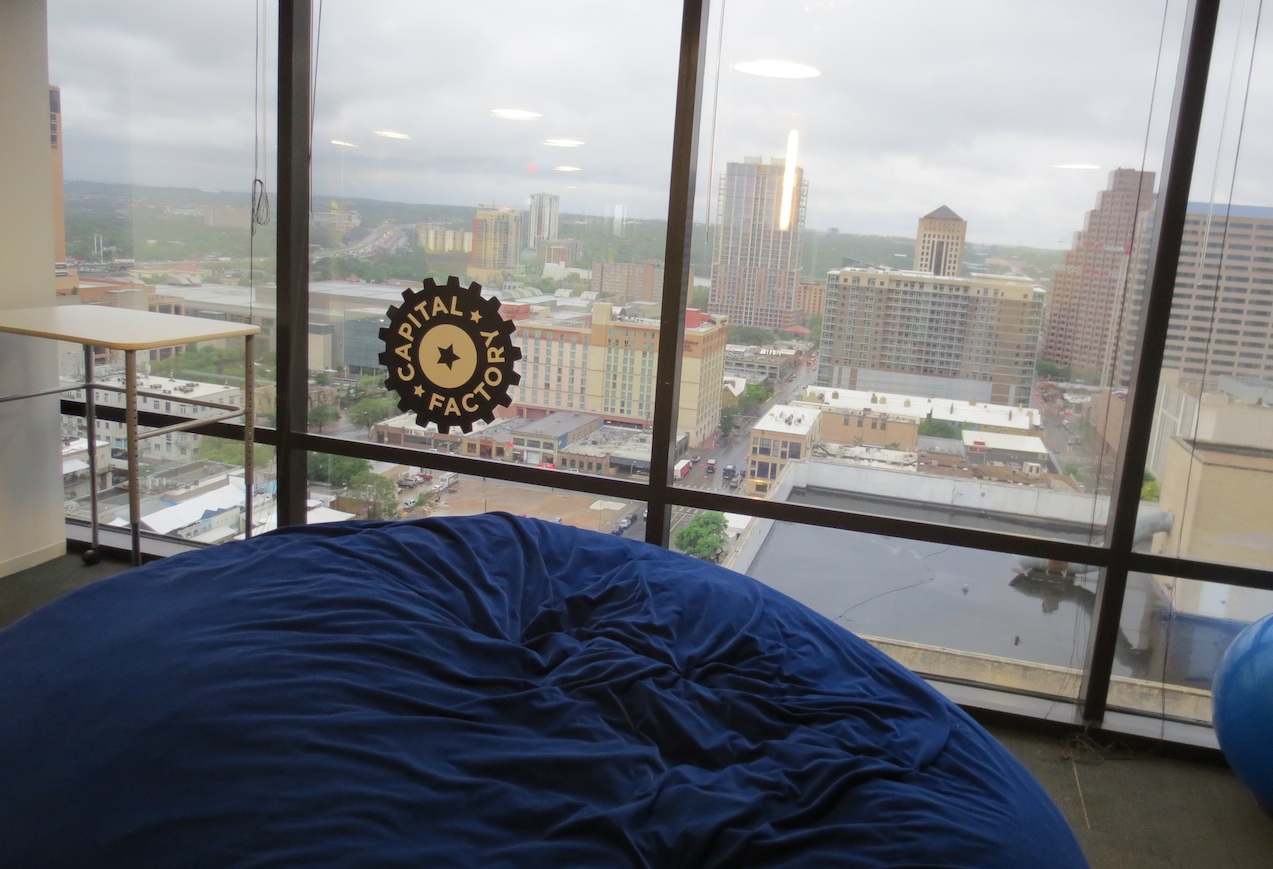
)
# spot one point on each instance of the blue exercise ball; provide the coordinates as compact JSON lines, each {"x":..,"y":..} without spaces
{"x":1242,"y":708}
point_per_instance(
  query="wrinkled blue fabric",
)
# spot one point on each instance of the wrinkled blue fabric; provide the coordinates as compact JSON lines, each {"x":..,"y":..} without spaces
{"x":487,"y":690}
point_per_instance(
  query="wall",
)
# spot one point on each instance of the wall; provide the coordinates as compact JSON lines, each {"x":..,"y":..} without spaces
{"x":32,"y":523}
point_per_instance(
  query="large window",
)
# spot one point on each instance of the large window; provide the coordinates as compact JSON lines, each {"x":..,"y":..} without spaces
{"x":927,"y":315}
{"x":161,"y":121}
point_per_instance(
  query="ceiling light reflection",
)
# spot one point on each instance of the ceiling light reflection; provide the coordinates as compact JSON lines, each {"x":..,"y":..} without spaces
{"x":772,"y":68}
{"x":564,"y":143}
{"x":515,"y":114}
{"x":391,"y":134}
{"x":343,"y":144}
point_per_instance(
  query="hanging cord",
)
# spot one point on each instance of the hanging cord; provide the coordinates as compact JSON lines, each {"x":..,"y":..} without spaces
{"x":313,"y":97}
{"x":260,"y":144}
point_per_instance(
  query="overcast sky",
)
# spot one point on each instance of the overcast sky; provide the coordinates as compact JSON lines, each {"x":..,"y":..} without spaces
{"x":917,"y":103}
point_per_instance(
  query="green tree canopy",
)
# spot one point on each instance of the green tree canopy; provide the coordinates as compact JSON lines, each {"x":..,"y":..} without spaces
{"x":339,"y":471}
{"x":750,"y":335}
{"x":703,"y":537}
{"x":728,"y":418}
{"x":380,"y":495}
{"x":321,"y":415}
{"x":939,"y":428}
{"x":369,"y":411}
{"x":229,"y":452}
{"x":753,"y":396}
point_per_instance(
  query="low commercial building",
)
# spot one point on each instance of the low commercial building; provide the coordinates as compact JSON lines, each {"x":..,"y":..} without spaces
{"x":1020,"y":452}
{"x":786,"y":433}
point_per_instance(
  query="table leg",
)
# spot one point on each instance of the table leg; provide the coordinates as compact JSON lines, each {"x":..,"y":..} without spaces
{"x":94,"y":552}
{"x":249,"y":431}
{"x":134,"y":463}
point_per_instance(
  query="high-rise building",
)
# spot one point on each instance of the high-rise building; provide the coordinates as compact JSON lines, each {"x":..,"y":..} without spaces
{"x":607,"y":366}
{"x":67,"y":278}
{"x":970,"y":339}
{"x":542,"y":218}
{"x":810,"y":299}
{"x":939,"y":243}
{"x":1089,"y":286}
{"x":1222,"y":307}
{"x":756,"y":261}
{"x":440,"y":238}
{"x":628,"y":282}
{"x":497,"y":242}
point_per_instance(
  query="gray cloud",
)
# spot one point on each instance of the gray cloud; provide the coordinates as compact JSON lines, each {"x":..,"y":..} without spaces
{"x":919,"y":103}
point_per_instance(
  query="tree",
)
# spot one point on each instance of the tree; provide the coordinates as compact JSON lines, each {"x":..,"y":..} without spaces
{"x":703,"y":537}
{"x":750,"y":335}
{"x":700,"y":297}
{"x":338,"y":471}
{"x":229,"y":452}
{"x":753,"y":397}
{"x":939,"y":428}
{"x":323,"y":379}
{"x":728,"y":417}
{"x":1050,"y":370}
{"x":815,"y":329}
{"x":321,"y":415}
{"x":370,"y":411}
{"x":379,"y":493}
{"x":1150,"y":489}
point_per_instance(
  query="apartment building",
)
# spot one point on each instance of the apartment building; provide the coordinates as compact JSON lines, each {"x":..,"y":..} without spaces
{"x":909,"y":332}
{"x":542,"y":218}
{"x":1089,"y":286}
{"x":605,"y":364}
{"x":756,"y":256}
{"x":497,"y":244}
{"x":1222,"y":307}
{"x":628,"y":282}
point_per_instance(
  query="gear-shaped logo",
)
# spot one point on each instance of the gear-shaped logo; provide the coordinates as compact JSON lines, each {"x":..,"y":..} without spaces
{"x":450,"y":354}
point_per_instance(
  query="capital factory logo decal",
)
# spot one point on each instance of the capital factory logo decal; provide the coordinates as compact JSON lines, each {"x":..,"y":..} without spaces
{"x":450,"y":354}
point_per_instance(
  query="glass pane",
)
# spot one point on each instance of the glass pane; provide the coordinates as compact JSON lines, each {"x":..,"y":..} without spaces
{"x":156,"y":143}
{"x":530,"y":172}
{"x":1001,"y":620}
{"x":1210,"y":459}
{"x":343,"y":488}
{"x":919,"y":267}
{"x":1174,"y":632}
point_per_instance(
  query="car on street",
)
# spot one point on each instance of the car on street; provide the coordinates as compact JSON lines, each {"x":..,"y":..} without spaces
{"x":711,"y":466}
{"x":729,"y":472}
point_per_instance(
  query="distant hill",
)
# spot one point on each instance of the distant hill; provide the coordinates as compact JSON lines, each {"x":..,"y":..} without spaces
{"x":113,"y":211}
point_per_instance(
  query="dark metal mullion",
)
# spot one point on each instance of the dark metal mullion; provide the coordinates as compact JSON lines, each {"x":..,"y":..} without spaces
{"x":1203,"y":571}
{"x":1164,"y":260}
{"x":295,"y":24}
{"x":676,"y":271}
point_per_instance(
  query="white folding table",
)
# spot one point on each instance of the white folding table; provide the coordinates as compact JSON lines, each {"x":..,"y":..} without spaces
{"x":130,"y":331}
